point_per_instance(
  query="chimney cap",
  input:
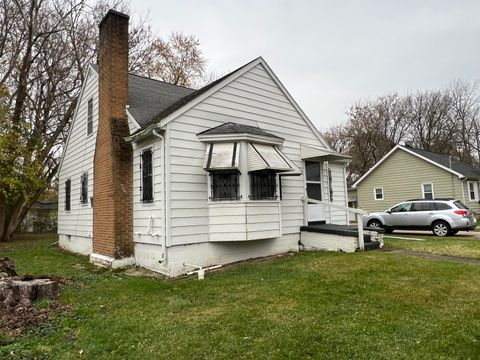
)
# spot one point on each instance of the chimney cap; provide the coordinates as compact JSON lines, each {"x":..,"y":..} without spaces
{"x":114,"y":13}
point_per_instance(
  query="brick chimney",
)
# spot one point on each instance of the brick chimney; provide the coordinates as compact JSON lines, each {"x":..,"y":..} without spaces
{"x":112,"y":183}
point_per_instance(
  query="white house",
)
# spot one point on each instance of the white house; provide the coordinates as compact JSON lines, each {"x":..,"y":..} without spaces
{"x":166,"y":177}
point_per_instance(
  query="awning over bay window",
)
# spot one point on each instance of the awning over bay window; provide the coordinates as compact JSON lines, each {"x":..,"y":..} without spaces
{"x":222,"y":156}
{"x":269,"y":157}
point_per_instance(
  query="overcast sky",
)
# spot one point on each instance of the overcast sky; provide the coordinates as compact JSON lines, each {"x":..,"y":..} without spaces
{"x":330,"y":54}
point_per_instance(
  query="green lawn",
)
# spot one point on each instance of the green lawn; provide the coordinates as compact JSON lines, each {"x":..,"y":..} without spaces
{"x":457,"y":245}
{"x":370,"y":305}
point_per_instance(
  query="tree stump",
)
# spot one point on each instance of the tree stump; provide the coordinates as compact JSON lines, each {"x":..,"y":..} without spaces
{"x":14,"y":291}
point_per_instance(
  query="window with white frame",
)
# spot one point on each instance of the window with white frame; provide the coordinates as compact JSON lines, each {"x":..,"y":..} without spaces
{"x":473,"y":190}
{"x":313,"y":180}
{"x":427,"y":191}
{"x":378,"y":193}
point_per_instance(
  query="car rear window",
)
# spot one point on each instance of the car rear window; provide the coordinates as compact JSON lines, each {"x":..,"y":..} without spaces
{"x":460,"y":205}
{"x":422,"y":206}
{"x":442,"y":206}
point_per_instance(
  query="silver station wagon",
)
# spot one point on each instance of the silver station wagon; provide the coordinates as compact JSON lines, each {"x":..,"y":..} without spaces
{"x":442,"y":216}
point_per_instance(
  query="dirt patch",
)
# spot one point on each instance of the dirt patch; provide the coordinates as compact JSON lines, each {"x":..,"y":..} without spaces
{"x":431,"y":256}
{"x":14,"y":320}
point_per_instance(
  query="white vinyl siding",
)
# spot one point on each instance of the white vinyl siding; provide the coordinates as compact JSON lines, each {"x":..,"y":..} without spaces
{"x":252,"y":99}
{"x":78,"y":159}
{"x":148,"y":215}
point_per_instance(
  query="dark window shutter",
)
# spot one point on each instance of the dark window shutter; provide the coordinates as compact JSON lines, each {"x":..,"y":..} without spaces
{"x":146,"y":167}
{"x":67,"y":194}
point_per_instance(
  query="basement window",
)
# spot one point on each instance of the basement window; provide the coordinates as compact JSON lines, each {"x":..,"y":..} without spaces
{"x":84,"y":188}
{"x":90,"y":116}
{"x":147,"y":176}
{"x":263,"y":185}
{"x":68,"y":187}
{"x":225,"y":185}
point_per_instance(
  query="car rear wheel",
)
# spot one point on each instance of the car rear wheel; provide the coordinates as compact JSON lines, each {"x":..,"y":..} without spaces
{"x":440,"y":228}
{"x":375,"y":224}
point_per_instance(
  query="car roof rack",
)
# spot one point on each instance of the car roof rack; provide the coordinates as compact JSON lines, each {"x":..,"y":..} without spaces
{"x":441,"y":199}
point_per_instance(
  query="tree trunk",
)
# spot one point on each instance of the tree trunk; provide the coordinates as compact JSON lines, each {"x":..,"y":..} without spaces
{"x":12,"y":220}
{"x":3,"y":213}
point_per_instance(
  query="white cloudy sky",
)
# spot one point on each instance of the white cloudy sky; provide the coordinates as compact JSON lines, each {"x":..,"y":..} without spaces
{"x":330,"y":54}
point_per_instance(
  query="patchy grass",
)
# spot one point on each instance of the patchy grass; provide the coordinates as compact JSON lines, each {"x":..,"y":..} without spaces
{"x":370,"y":305}
{"x":458,"y":245}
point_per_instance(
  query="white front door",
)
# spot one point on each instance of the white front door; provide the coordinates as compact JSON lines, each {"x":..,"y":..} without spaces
{"x":313,"y":176}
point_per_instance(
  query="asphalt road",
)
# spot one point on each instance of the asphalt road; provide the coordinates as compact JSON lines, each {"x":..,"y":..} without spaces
{"x":463,"y":234}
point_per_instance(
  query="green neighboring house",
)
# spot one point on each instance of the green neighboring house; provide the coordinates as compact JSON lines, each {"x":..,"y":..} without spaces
{"x":408,"y":173}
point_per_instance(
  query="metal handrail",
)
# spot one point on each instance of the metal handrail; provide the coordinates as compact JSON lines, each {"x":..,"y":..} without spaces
{"x":358,"y":215}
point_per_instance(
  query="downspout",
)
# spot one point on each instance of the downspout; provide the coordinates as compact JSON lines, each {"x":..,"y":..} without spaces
{"x":327,"y":165}
{"x":462,"y":181}
{"x":163,"y":260}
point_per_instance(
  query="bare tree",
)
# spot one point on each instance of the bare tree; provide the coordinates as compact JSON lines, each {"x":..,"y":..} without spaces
{"x":444,"y":121}
{"x":45,"y":46}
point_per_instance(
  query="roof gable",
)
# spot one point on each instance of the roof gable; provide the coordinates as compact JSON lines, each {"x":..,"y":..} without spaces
{"x":191,"y":100}
{"x":444,"y":162}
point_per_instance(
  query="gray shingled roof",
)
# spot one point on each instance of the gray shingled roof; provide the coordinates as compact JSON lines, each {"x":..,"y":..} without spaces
{"x":185,"y":100}
{"x":148,"y":97}
{"x":234,"y":128}
{"x":449,"y":162}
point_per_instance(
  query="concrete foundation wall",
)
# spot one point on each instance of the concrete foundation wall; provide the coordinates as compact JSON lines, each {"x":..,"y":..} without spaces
{"x":77,"y":244}
{"x":208,"y":254}
{"x":328,"y":242}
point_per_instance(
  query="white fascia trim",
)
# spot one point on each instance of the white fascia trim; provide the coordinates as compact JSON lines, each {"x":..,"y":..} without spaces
{"x":130,"y":116}
{"x":91,"y":71}
{"x":375,"y":166}
{"x":240,"y":137}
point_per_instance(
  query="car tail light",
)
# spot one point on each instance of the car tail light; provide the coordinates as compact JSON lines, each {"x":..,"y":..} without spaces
{"x":461,"y":212}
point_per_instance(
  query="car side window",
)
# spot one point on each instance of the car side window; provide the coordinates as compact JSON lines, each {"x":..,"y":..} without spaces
{"x":442,"y":206}
{"x":401,"y":208}
{"x":423,"y":206}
